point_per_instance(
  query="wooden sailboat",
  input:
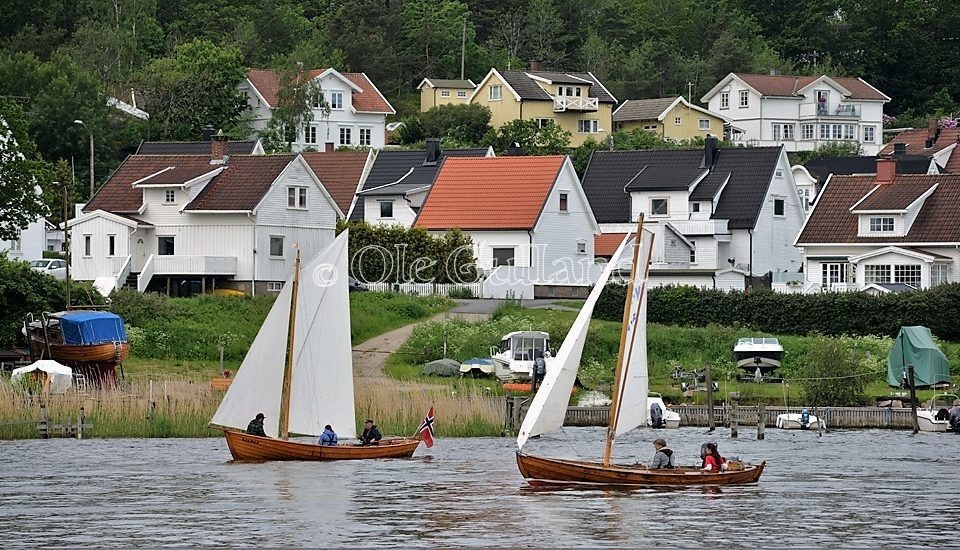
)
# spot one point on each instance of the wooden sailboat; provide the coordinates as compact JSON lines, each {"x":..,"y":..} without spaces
{"x":299,"y":373}
{"x":92,"y":343}
{"x":628,"y":408}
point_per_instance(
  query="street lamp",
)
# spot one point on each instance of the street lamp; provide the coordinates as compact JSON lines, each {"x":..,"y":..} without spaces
{"x":80,"y":122}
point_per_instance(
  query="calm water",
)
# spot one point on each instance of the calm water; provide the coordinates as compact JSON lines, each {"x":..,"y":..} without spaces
{"x":847,"y":488}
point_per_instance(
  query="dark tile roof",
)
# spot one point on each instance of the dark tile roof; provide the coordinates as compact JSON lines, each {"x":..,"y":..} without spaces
{"x":178,"y":175}
{"x":392,"y":165}
{"x":242,"y":184}
{"x":528,"y":88}
{"x":750,"y":170}
{"x":821,"y":168}
{"x":339,"y":172}
{"x":786,"y":86}
{"x":642,"y":109}
{"x":893,"y":197}
{"x":831,"y":220}
{"x":118,"y":195}
{"x":245,"y":147}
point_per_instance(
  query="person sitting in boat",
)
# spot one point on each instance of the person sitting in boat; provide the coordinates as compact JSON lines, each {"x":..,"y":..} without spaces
{"x":371,"y":433}
{"x":329,"y":437}
{"x":664,"y":456}
{"x":255,"y":427}
{"x":712,"y":461}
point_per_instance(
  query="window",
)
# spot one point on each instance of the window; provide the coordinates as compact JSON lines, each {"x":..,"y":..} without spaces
{"x":462,"y":94}
{"x":310,"y":134}
{"x":16,"y":245}
{"x":823,"y":102}
{"x":297,"y":197}
{"x":581,"y":247}
{"x":650,"y":127}
{"x":563,"y":202}
{"x":386,"y":209}
{"x":165,"y":246}
{"x":824,"y":131}
{"x":907,"y":274}
{"x":938,"y":274}
{"x":111,"y":245}
{"x":833,"y":273}
{"x":445,"y":93}
{"x":778,"y":207}
{"x":876,"y":274}
{"x":276,"y":246}
{"x":695,"y":207}
{"x":366,"y":136}
{"x":495,"y":92}
{"x":588,"y":126}
{"x":503,"y":256}
{"x":659,"y":207}
{"x":724,"y":100}
{"x":336,"y":100}
{"x":788,"y":132}
{"x":804,"y":198}
{"x":86,"y":245}
{"x":881,"y":224}
{"x":346,"y":136}
{"x":677,"y":121}
{"x":543,"y":122}
{"x":849,"y":131}
{"x":274,"y":286}
{"x":806,"y":131}
{"x":868,"y":134}
{"x":782,"y":132}
{"x":836,"y":131}
{"x":170,"y":197}
{"x":778,"y":172}
{"x":744,"y":99}
{"x":693,"y":252}
{"x":704,"y":123}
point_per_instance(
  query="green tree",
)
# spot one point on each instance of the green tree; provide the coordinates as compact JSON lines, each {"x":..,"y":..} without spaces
{"x":24,"y":290}
{"x":465,"y":124}
{"x":432,"y":34}
{"x":831,"y":375}
{"x":533,"y":139}
{"x":846,"y":148}
{"x":21,"y":173}
{"x":543,"y":32}
{"x":297,"y":97}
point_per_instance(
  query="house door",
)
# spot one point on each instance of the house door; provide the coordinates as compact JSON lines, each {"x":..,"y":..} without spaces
{"x":165,"y":246}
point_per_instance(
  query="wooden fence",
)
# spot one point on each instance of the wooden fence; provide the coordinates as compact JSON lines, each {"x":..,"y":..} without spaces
{"x":696,"y":415}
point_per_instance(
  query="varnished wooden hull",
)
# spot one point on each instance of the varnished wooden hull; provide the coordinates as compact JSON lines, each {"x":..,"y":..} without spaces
{"x":97,"y":353}
{"x":555,"y":471}
{"x":253,"y":447}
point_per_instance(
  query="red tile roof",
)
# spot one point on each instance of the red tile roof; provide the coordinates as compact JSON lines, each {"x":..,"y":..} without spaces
{"x":242,"y":184}
{"x":501,"y":193}
{"x":368,"y":99}
{"x":606,"y":244}
{"x":339,"y":172}
{"x":832,"y":222}
{"x":118,"y":194}
{"x":786,"y":86}
{"x":893,"y":197}
{"x":916,"y":141}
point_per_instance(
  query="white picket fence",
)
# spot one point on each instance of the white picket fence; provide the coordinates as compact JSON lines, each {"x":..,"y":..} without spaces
{"x":428,"y":289}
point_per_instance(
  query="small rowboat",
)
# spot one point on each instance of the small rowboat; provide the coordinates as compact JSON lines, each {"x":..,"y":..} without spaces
{"x":541,"y":471}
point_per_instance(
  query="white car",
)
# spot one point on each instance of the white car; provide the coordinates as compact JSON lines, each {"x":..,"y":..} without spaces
{"x":52,"y":267}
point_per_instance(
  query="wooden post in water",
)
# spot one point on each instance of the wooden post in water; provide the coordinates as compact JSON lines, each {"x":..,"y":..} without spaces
{"x":710,"y":421}
{"x":761,"y":420}
{"x":44,"y":421}
{"x":80,"y":418}
{"x":734,"y":415}
{"x":913,"y":398}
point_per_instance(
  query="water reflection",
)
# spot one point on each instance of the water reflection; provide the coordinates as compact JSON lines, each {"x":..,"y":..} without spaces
{"x":863,"y":487}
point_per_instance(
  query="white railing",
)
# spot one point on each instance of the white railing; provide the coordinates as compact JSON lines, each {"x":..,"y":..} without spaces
{"x":143,"y":279}
{"x":428,"y":289}
{"x":195,"y":265}
{"x":572,"y":103}
{"x":122,"y":272}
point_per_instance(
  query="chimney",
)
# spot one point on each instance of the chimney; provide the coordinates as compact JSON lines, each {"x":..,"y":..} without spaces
{"x":710,"y":151}
{"x":899,"y":148}
{"x":933,"y":132}
{"x":218,"y":148}
{"x":536,"y":65}
{"x":433,"y":152}
{"x":328,"y":147}
{"x":886,"y":170}
{"x":208,"y":132}
{"x":775,"y":71}
{"x":514,"y":150}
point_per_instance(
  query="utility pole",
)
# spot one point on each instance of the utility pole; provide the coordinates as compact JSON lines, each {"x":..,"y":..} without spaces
{"x":66,"y":236}
{"x":463,"y":45}
{"x":689,"y":91}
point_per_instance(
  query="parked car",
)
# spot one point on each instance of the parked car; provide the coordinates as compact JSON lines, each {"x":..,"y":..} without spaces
{"x":52,"y":267}
{"x":356,"y":286}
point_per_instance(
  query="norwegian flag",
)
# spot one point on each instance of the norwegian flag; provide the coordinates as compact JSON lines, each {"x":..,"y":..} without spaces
{"x":426,"y":429}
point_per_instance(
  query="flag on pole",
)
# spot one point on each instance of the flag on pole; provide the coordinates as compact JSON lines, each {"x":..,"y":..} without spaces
{"x":426,"y":429}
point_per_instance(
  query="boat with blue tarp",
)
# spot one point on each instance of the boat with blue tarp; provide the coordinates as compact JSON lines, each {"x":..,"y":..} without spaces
{"x":93,"y":343}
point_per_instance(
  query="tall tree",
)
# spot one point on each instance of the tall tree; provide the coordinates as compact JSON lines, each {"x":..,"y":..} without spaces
{"x":21,"y":173}
{"x":543,"y":32}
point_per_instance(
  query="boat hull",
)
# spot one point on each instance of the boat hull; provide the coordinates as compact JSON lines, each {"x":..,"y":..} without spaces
{"x":927,"y":422}
{"x":540,"y":471}
{"x":791,"y":421}
{"x":252,"y":447}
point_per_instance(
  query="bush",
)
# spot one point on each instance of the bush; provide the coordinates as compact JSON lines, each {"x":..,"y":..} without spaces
{"x":464,"y":123}
{"x":832,"y":376}
{"x":461,"y":292}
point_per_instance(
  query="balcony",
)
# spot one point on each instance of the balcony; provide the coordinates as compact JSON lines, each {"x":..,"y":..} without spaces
{"x":810,"y":110}
{"x":194,"y":265}
{"x":572,"y":103}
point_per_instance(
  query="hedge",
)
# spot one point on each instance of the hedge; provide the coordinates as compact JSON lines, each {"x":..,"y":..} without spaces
{"x":827,"y":313}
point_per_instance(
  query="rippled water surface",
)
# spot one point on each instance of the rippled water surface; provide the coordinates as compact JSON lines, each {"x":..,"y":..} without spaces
{"x":847,"y":488}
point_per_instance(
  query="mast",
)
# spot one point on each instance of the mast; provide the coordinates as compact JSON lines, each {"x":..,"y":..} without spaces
{"x":615,"y":396}
{"x":283,"y":430}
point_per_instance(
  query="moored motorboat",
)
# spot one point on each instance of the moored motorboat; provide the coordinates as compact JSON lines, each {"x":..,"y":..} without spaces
{"x":800,"y":421}
{"x":935,"y":415}
{"x":514,"y":358}
{"x":669,"y":419}
{"x":762,"y":353}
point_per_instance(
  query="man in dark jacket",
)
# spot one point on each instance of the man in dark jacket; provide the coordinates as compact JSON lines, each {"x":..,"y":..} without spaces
{"x":371,"y":434}
{"x":255,"y":427}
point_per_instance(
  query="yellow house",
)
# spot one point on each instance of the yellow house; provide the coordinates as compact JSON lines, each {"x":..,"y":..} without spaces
{"x":577,"y":102}
{"x":672,"y":118}
{"x":437,"y":91}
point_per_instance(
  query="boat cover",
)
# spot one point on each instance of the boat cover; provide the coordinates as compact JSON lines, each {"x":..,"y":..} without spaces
{"x":84,"y":328}
{"x":61,"y":377}
{"x":930,"y":365}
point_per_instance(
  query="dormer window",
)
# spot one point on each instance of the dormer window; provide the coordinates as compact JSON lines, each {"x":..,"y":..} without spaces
{"x":724,"y":100}
{"x":170,"y":197}
{"x":744,"y":99}
{"x":336,"y":100}
{"x":659,"y":207}
{"x":881,"y":225}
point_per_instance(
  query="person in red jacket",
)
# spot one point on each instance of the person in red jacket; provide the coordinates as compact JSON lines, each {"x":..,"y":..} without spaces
{"x":713,"y":462}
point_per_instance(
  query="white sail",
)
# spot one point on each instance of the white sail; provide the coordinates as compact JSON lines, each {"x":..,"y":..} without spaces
{"x":321,"y":390}
{"x":256,"y":386}
{"x":634,"y":380}
{"x":549,"y":406}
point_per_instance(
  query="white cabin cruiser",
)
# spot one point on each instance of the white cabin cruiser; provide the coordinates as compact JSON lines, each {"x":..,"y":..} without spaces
{"x":935,"y":417}
{"x":800,"y":421}
{"x":515,"y":356}
{"x":758,"y":353}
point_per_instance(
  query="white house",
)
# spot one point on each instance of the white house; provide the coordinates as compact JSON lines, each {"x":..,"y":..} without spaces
{"x":883,"y":232}
{"x":187,"y":224}
{"x":800,"y":112}
{"x":29,"y":245}
{"x":522,"y":212}
{"x":719,"y":216}
{"x":357,"y":110}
